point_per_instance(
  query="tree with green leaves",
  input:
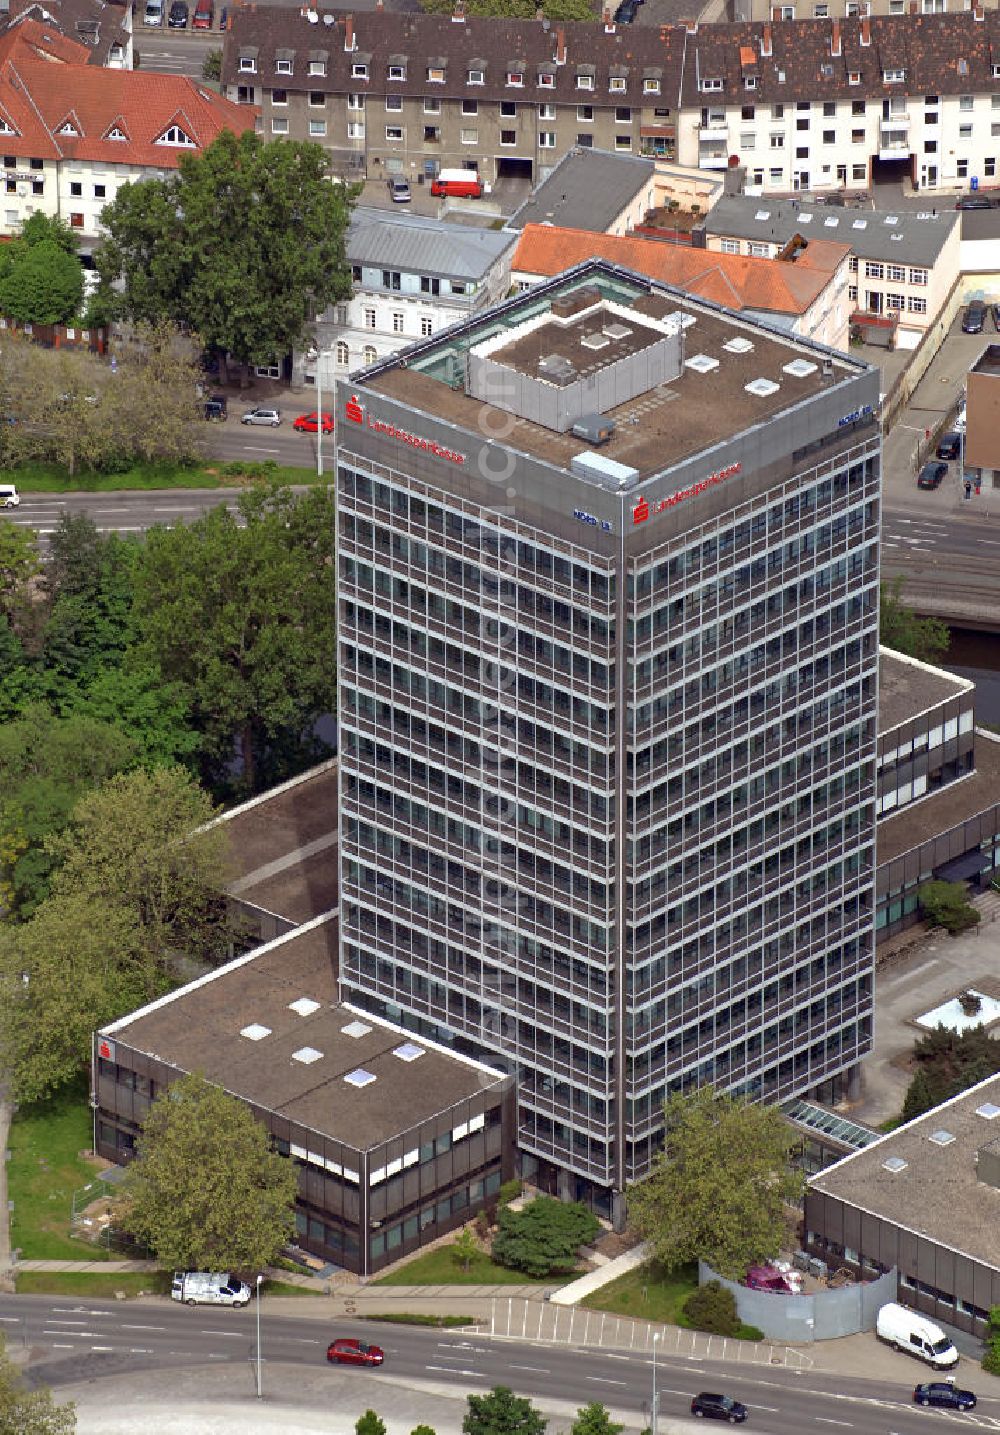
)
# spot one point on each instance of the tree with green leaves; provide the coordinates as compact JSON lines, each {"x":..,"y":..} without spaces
{"x":465,"y":1249}
{"x":19,"y":563}
{"x":41,"y":277}
{"x":25,"y":1411}
{"x":369,"y":1424}
{"x":238,"y":609}
{"x":232,"y":1209}
{"x":423,"y":1430}
{"x":544,"y":1238}
{"x":718,"y":1190}
{"x":501,"y":1412}
{"x":594,"y":1419}
{"x":946,"y":904}
{"x":712,"y":1308}
{"x":901,"y":629}
{"x":169,"y":250}
{"x":947,"y":1063}
{"x":211,"y":65}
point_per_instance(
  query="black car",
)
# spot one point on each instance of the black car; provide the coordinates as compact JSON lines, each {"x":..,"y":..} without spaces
{"x":719,"y":1407}
{"x":942,"y":1392}
{"x":974,"y":201}
{"x":626,"y":12}
{"x":950,"y":445}
{"x":974,"y":319}
{"x":931,"y":475}
{"x":178,"y":16}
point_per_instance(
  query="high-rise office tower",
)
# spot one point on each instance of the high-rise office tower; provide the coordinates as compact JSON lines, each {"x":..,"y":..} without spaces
{"x":608,"y":614}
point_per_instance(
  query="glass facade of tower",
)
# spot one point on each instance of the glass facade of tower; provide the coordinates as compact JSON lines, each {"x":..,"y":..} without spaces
{"x":607,"y":785}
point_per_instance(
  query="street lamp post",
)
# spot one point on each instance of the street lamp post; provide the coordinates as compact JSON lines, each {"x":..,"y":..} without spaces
{"x":260,"y":1392}
{"x":656,"y":1400}
{"x":318,"y":354}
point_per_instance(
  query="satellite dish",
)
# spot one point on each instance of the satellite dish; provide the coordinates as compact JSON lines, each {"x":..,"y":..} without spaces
{"x":312,"y":16}
{"x":327,"y":19}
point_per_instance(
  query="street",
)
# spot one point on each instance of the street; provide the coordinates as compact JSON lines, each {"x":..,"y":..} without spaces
{"x":75,"y":1340}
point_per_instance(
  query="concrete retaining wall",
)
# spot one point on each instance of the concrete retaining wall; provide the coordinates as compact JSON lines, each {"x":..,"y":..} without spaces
{"x":825,"y":1315}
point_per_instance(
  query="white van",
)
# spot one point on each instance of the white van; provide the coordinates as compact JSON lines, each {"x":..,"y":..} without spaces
{"x":209,"y":1288}
{"x":9,"y":496}
{"x":905,"y":1330}
{"x":153,"y":14}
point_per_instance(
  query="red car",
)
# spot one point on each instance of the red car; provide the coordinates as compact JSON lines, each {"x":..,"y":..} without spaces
{"x":309,"y":423}
{"x":354,"y":1352}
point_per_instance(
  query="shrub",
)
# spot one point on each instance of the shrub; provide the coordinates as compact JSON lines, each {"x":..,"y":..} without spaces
{"x":991,"y":1359}
{"x":947,"y":905}
{"x":712,"y":1308}
{"x":509,"y":1191}
{"x":750,"y":1332}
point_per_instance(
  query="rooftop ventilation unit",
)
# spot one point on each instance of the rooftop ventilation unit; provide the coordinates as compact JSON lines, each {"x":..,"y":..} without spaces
{"x":595,"y":341}
{"x":739,"y":345}
{"x":896,"y":238}
{"x":701,"y":363}
{"x":409,"y":1051}
{"x":805,"y":219}
{"x":763,"y":214}
{"x":895,"y":1164}
{"x":617,"y":331}
{"x":307,"y":1055}
{"x":303,"y":1006}
{"x":941,"y":1138}
{"x":831,"y":221}
{"x":593,"y":428}
{"x":799,"y":368}
{"x":255,"y":1032}
{"x":556,"y":369}
{"x":860,"y":224}
{"x":988,"y":1110}
{"x":359,"y":1077}
{"x":357,"y":1029}
{"x":762,"y":388}
{"x":891,"y":219}
{"x":564,"y":306}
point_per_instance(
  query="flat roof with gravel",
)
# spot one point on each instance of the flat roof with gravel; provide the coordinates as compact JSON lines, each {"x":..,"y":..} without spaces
{"x":908,"y":687}
{"x":923,"y":820}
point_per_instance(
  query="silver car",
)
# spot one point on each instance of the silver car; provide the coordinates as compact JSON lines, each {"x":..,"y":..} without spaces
{"x":269,"y":418}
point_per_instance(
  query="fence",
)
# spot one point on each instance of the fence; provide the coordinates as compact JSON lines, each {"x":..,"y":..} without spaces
{"x":518,"y":1319}
{"x":823,"y":1315}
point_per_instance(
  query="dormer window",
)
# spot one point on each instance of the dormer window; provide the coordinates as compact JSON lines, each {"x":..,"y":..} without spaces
{"x":893,"y":77}
{"x":547,"y":80}
{"x":585,"y":82}
{"x":248,"y":65}
{"x":282,"y":67}
{"x":435,"y":74}
{"x":715,"y":84}
{"x":114,"y":133}
{"x":650,"y":87}
{"x":358,"y":71}
{"x":476,"y":77}
{"x":749,"y":82}
{"x":176,"y":136}
{"x":515,"y":78}
{"x":617,"y":84}
{"x":69,"y":128}
{"x":397,"y":72}
{"x":854,"y":77}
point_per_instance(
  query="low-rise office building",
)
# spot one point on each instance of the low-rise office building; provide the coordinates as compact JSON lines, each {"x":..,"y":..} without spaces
{"x":982,"y":434}
{"x":903,"y":265}
{"x":925,"y":1199}
{"x":413,"y":276}
{"x":802,"y":290}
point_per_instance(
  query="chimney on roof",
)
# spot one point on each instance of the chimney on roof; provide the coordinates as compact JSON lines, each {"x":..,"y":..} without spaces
{"x":350,"y":39}
{"x":775,"y":12}
{"x":866,"y":31}
{"x":691,"y":26}
{"x":458,"y":14}
{"x":765,"y":43}
{"x":560,"y":44}
{"x":609,"y":24}
{"x":836,"y":49}
{"x":379,"y":5}
{"x":914,"y":7}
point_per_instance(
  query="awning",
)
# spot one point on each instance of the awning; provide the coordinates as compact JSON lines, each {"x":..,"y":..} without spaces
{"x":960,"y":869}
{"x":657,"y":131}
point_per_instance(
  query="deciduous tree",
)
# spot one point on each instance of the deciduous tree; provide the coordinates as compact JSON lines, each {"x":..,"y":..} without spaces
{"x":595,"y":1419}
{"x":501,"y":1412}
{"x":41,"y":278}
{"x":244,"y":245}
{"x":544,"y":1237}
{"x":205,"y":1191}
{"x":900,"y":628}
{"x":465,"y":1248}
{"x":369,"y":1424}
{"x":718,"y":1189}
{"x":19,"y":563}
{"x":30,"y":1412}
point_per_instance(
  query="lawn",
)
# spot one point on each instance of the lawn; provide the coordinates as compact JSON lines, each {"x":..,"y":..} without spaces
{"x":43,"y":1172}
{"x":50,"y":478}
{"x":647,"y":1293}
{"x":439,"y":1268}
{"x":82,"y":1283}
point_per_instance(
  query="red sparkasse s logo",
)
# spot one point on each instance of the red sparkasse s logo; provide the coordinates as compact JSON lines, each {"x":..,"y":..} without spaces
{"x":106,"y":1049}
{"x":354,"y":411}
{"x":640,"y":512}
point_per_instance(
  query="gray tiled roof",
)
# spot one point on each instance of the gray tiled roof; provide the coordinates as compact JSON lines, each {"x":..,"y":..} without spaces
{"x":414,"y":244}
{"x":907,"y":237}
{"x":588,"y":189}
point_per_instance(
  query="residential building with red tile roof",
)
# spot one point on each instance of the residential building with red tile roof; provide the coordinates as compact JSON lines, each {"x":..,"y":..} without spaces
{"x":73,"y":134}
{"x":804,"y":290}
{"x":85,"y":32}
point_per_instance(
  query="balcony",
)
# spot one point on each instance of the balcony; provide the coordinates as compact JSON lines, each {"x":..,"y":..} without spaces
{"x":714,"y":156}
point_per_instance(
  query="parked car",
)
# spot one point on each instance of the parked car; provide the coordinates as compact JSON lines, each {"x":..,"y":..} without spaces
{"x":354,"y":1352}
{"x":270,"y":418}
{"x":942,"y":1392}
{"x":719,"y":1407}
{"x":399,"y":189}
{"x":949,"y":445}
{"x":153,"y":13}
{"x":463,"y":183}
{"x":974,"y":201}
{"x":217,"y":408}
{"x":309,"y":423}
{"x":224,"y":18}
{"x":974,"y":318}
{"x":204,"y":14}
{"x":626,"y":12}
{"x":931,"y":475}
{"x":178,"y":16}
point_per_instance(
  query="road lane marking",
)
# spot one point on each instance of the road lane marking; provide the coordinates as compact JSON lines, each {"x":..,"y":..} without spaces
{"x":144,"y":1327}
{"x":10,"y":1319}
{"x":825,"y":1420}
{"x":446,"y":1370}
{"x":303,"y":1340}
{"x":59,"y":1345}
{"x":103,"y":1348}
{"x":604,"y":1380}
{"x":771,"y":1409}
{"x":610,"y":1355}
{"x":140,"y":1350}
{"x":225,"y":1334}
{"x":535,"y":1369}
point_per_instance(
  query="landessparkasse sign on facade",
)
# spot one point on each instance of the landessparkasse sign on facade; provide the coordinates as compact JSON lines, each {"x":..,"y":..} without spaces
{"x":356,"y":413}
{"x":643,"y":508}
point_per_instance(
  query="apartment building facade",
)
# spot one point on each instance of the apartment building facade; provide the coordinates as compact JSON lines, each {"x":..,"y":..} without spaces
{"x":608,"y":715}
{"x":835,"y":104}
{"x":411,"y":94}
{"x":845,"y":9}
